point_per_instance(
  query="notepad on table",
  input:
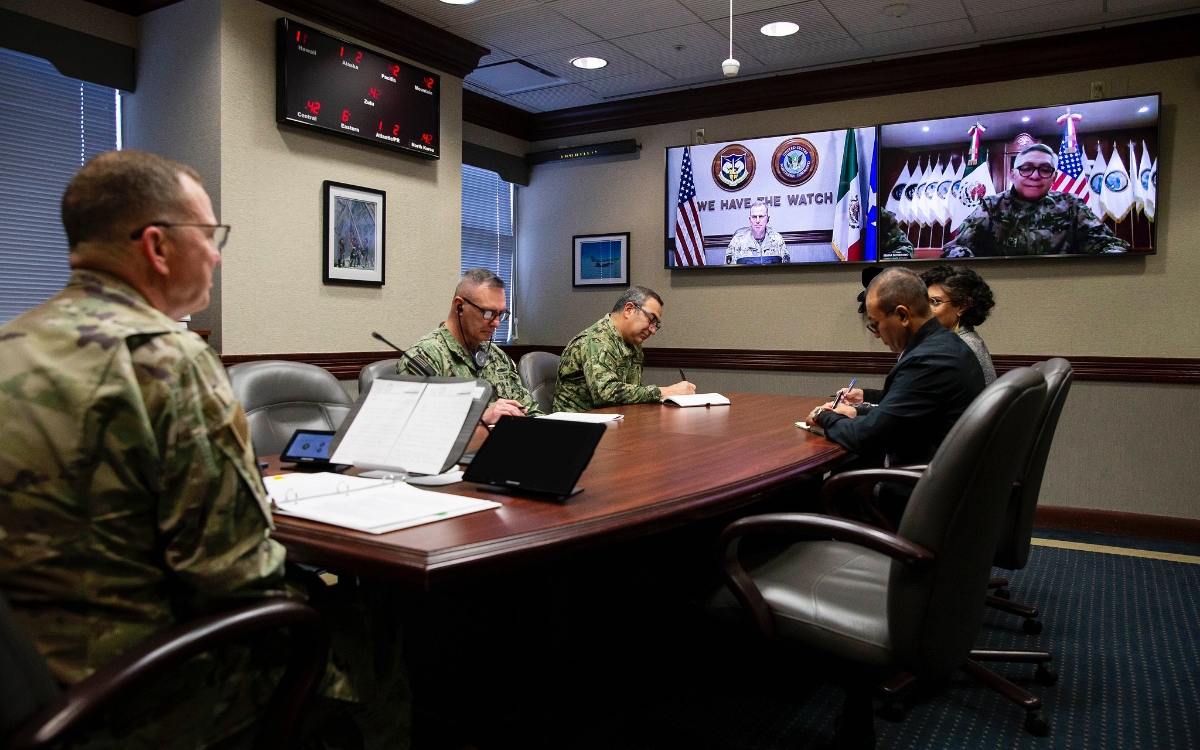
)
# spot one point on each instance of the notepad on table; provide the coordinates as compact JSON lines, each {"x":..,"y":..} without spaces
{"x":375,"y":506}
{"x":698,"y":399}
{"x":582,"y":416}
{"x":813,"y":428}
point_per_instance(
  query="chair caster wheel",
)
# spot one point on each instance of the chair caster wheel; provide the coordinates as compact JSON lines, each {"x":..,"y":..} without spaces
{"x":893,"y":712}
{"x":1002,"y":593}
{"x":1033,"y":627}
{"x":1036,"y":725}
{"x":1045,"y":676}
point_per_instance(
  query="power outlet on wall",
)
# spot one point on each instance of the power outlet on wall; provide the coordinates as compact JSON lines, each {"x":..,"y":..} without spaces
{"x":1097,"y":90}
{"x":698,"y":137}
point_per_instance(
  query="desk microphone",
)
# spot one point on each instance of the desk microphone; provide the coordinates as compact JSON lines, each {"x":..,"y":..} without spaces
{"x":425,"y":369}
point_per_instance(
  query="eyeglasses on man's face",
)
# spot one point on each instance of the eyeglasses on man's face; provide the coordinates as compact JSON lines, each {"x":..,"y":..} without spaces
{"x":1043,"y":170}
{"x":873,"y":325}
{"x":218,"y":234}
{"x":655,"y":323}
{"x":500,"y":315}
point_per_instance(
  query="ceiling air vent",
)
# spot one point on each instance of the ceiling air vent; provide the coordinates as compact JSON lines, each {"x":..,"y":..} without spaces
{"x":512,"y":77}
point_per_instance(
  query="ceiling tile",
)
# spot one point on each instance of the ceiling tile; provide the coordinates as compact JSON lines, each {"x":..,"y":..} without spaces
{"x":709,"y":10}
{"x":557,"y":97}
{"x":614,"y":19}
{"x":527,"y":31}
{"x":1150,"y":6}
{"x":445,"y":14}
{"x":914,"y":38}
{"x":493,"y":95}
{"x":795,"y":56}
{"x":816,"y":26}
{"x":702,"y":51}
{"x":620,"y":62}
{"x":996,"y":7}
{"x":868,"y":16}
{"x":1061,"y":15}
{"x":632,"y":83}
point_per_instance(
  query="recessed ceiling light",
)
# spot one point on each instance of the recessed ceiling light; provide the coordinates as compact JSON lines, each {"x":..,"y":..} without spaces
{"x":780,"y":28}
{"x":925,"y":129}
{"x":1024,"y":119}
{"x":459,"y":2}
{"x":1143,"y":110}
{"x":589,"y":63}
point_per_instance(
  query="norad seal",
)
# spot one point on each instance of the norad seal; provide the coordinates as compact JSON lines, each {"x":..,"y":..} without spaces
{"x":733,"y":167}
{"x":794,"y":162}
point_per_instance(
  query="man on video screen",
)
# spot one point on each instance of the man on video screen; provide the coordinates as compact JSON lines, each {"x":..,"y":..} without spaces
{"x":1029,"y":219}
{"x":758,"y":243}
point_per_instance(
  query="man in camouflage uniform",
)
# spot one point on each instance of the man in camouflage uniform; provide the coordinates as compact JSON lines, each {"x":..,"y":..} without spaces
{"x":757,"y":243}
{"x":461,"y":347}
{"x":893,"y":241}
{"x":130,"y":499}
{"x":1030,"y":219}
{"x":603,"y":365}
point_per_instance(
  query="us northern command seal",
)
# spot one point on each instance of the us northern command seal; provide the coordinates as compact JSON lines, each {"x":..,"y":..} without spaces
{"x":733,"y":167}
{"x":794,"y":162}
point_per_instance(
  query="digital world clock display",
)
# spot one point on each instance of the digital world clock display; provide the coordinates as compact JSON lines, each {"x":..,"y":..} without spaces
{"x":339,"y":87}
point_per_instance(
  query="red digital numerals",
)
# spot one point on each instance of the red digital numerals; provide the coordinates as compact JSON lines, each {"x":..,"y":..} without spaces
{"x":394,"y":70}
{"x":314,"y":107}
{"x":395,"y":129}
{"x":345,"y":115}
{"x":428,"y":138}
{"x":373,"y":93}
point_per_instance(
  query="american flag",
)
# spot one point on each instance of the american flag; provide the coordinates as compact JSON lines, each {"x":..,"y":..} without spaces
{"x":689,"y":237}
{"x":1071,"y":177}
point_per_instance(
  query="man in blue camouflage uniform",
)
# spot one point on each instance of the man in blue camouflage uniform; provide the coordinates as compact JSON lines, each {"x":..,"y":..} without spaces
{"x":461,"y":347}
{"x":602,"y":366}
{"x":1029,"y":219}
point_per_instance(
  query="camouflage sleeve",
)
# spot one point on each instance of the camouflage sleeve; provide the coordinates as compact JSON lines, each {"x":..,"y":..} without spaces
{"x":602,"y":371}
{"x":427,"y":351}
{"x":729,"y":250}
{"x":506,"y":382}
{"x":1093,"y":236}
{"x":213,"y":517}
{"x":780,"y":246}
{"x":968,"y":243}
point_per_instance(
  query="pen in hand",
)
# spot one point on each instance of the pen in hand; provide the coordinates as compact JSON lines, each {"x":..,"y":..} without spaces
{"x":841,"y":395}
{"x":682,"y":377}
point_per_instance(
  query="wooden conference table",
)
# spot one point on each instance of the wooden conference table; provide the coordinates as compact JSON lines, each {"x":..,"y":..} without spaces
{"x":658,"y":468}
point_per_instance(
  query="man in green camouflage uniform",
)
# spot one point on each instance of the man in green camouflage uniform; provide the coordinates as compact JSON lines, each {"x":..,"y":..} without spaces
{"x":893,"y":241}
{"x":1031,"y":220}
{"x":757,"y":243}
{"x":461,"y":347}
{"x":603,"y":365}
{"x":130,"y":499}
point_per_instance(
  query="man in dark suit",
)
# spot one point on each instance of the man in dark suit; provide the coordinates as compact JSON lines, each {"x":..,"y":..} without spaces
{"x":935,"y":379}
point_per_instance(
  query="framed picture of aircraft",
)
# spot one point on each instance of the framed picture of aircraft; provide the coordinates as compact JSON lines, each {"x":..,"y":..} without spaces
{"x":601,"y":259}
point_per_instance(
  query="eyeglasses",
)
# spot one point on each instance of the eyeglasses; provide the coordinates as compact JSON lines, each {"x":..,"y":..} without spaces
{"x":1043,"y":170}
{"x":937,"y":301}
{"x":874,"y":327}
{"x":655,"y":323}
{"x":219,"y":234}
{"x":488,"y":314}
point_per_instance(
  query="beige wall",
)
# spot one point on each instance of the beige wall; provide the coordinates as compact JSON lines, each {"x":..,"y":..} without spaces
{"x":1119,"y":307}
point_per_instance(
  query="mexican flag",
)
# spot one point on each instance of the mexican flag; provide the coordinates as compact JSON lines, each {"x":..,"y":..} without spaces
{"x":848,"y":214}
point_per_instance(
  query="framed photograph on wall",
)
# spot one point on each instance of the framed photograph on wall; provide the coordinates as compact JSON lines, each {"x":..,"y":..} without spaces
{"x":601,"y":259}
{"x":354,"y":234}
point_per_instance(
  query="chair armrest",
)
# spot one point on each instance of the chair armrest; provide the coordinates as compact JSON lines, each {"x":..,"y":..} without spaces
{"x":863,"y":480}
{"x":913,"y":467}
{"x":805,"y":526}
{"x":142,"y":665}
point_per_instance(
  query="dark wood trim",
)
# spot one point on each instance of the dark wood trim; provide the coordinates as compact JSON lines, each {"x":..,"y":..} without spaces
{"x":389,"y":29}
{"x":1118,"y":522}
{"x":494,"y":114}
{"x":1108,"y":47}
{"x":133,"y":7}
{"x":346,"y":365}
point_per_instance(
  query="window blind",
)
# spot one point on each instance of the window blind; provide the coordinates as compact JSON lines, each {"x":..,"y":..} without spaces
{"x":50,"y":125}
{"x":487,"y":231}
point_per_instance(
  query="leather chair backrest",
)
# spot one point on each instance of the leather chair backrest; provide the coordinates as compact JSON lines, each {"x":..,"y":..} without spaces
{"x":956,"y":511}
{"x":1013,"y":551}
{"x":26,"y":684}
{"x":281,"y":397}
{"x":374,"y":370}
{"x":539,"y":373}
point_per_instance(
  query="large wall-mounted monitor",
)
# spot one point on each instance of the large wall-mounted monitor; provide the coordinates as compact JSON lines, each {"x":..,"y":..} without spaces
{"x":790,"y":199}
{"x":338,"y":87}
{"x":949,"y":188}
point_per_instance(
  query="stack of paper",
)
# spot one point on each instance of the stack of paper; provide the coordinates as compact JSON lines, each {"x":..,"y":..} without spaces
{"x":582,"y":416}
{"x":698,"y":399}
{"x":375,"y":506}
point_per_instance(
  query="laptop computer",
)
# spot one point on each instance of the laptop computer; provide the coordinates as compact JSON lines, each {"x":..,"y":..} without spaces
{"x":541,"y":458}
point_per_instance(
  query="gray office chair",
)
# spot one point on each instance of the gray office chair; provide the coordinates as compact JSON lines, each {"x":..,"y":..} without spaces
{"x":539,"y":373}
{"x":374,"y":370}
{"x":281,"y":397}
{"x":911,"y":600}
{"x":35,"y":713}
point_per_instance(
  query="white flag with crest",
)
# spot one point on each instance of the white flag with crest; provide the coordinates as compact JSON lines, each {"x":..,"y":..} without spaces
{"x":975,"y":186}
{"x":896,"y":197}
{"x":1117,"y":195}
{"x":1144,"y":174}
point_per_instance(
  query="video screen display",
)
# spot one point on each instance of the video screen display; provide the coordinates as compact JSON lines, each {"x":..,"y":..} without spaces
{"x":791,"y":199}
{"x":1076,"y":179}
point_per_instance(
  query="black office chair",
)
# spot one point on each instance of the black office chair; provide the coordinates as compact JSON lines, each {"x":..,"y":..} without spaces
{"x":281,"y":397}
{"x":539,"y":373}
{"x":368,"y":374}
{"x":911,"y":600}
{"x":35,"y":713}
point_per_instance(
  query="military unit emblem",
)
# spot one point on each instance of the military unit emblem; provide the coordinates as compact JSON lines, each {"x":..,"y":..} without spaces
{"x":794,"y":162}
{"x":733,"y":167}
{"x":898,"y":191}
{"x":1116,"y":181}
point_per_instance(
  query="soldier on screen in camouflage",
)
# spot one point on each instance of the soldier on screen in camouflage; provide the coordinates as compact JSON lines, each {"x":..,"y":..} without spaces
{"x":461,"y":347}
{"x":757,"y":243}
{"x":1029,"y":219}
{"x":893,"y":241}
{"x":602,"y":366}
{"x":130,"y":498}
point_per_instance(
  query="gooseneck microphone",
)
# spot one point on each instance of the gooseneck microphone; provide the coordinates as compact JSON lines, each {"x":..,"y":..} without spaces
{"x":425,"y":369}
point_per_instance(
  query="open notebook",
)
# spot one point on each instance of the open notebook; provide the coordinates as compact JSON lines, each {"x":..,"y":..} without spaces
{"x":698,"y":399}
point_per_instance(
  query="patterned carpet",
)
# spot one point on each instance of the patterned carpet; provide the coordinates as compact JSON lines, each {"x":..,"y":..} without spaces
{"x":1124,"y":631}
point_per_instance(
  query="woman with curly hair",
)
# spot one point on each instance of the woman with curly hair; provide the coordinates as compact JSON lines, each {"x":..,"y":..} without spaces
{"x":961,"y":300}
